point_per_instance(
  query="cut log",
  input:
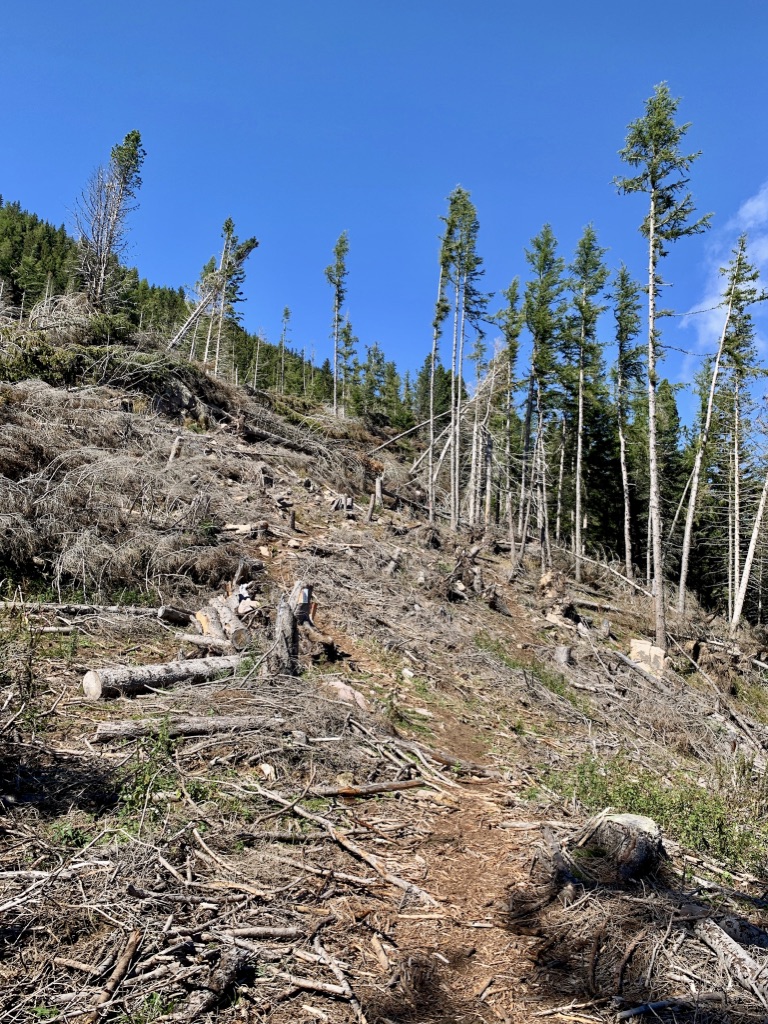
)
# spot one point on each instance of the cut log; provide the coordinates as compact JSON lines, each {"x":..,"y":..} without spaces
{"x":132,"y":679}
{"x":292,"y":610}
{"x":233,"y":628}
{"x":193,"y":725}
{"x":175,"y":616}
{"x":210,"y":623}
{"x":740,"y":964}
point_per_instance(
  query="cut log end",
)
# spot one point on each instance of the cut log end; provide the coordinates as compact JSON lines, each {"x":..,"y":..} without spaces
{"x":92,"y":687}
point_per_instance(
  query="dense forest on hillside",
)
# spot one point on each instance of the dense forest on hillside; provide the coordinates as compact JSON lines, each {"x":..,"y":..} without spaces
{"x":516,"y":421}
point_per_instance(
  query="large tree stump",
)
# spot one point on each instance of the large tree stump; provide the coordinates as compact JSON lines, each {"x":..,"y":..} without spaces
{"x":132,"y":679}
{"x":627,"y":846}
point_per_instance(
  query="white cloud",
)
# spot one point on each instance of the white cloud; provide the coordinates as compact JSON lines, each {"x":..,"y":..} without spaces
{"x":752,"y":218}
{"x":753,"y":212}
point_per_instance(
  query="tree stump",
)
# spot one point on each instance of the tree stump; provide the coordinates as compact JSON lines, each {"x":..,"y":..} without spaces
{"x":626,"y":846}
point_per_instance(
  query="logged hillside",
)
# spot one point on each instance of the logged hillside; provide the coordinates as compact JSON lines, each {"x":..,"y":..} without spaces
{"x":401,"y":799}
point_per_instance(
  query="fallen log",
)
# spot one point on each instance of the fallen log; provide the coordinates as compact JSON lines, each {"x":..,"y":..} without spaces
{"x":192,"y":725}
{"x":740,"y":964}
{"x":77,"y":609}
{"x":175,"y":616}
{"x":234,"y":630}
{"x":133,"y":679}
{"x":207,"y":643}
{"x":210,"y":623}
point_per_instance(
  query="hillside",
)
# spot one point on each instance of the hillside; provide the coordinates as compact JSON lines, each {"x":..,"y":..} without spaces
{"x":398,"y":827}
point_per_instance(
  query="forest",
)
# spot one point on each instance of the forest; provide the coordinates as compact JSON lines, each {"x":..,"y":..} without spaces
{"x":518,"y":420}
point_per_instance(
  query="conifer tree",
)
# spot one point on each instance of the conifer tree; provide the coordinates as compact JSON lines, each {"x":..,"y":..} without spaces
{"x":653,"y":150}
{"x":336,"y":275}
{"x":626,"y":376}
{"x":100,"y":218}
{"x":588,"y":277}
{"x":463,"y":270}
{"x":544,"y":308}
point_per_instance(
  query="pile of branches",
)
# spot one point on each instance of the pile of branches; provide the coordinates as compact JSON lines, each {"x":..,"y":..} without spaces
{"x":621,"y":928}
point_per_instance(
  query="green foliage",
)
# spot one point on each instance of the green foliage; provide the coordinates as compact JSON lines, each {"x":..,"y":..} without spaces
{"x":152,"y":770}
{"x":33,"y":255}
{"x":722,"y":819}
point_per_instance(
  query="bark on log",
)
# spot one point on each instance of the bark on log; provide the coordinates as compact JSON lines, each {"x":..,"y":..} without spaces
{"x":78,"y":609}
{"x":207,"y":643}
{"x":233,"y":628}
{"x":193,"y":725}
{"x":132,"y":679}
{"x":742,"y":966}
{"x":284,"y":657}
{"x":175,"y":616}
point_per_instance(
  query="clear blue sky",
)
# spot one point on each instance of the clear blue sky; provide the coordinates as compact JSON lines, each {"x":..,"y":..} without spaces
{"x":303,"y":118}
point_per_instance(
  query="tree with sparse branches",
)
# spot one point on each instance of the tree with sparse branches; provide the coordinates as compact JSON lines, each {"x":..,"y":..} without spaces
{"x":100,"y":220}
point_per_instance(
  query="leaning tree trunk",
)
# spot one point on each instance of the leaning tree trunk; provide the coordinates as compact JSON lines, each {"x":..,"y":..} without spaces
{"x":703,"y":439}
{"x":744,"y":580}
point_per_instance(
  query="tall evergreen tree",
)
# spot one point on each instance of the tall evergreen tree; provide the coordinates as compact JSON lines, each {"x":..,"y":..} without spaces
{"x":544,"y":308}
{"x":336,"y":275}
{"x":588,"y":277}
{"x":652,"y":149}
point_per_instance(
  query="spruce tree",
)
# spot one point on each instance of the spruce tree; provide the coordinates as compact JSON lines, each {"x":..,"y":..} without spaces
{"x":653,"y":150}
{"x":336,"y":275}
{"x":587,"y":280}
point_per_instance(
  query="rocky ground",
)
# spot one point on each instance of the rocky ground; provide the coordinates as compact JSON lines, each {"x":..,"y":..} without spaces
{"x":401,"y":831}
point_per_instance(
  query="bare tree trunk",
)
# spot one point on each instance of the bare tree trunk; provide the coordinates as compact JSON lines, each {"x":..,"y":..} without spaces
{"x":336,"y":312}
{"x":218,"y":338}
{"x":654,"y":509}
{"x":435,"y":337}
{"x":474,"y":471}
{"x":703,"y":439}
{"x":526,"y":447}
{"x":736,"y":494}
{"x":744,"y":579}
{"x":489,"y":480}
{"x":579,"y":451}
{"x":624,"y":480}
{"x":560,"y":478}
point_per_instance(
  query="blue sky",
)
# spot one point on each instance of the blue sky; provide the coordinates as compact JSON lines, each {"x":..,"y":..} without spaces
{"x":304,"y":118}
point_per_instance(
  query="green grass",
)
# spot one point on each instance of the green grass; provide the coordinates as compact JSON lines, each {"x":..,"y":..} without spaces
{"x":724,"y":820}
